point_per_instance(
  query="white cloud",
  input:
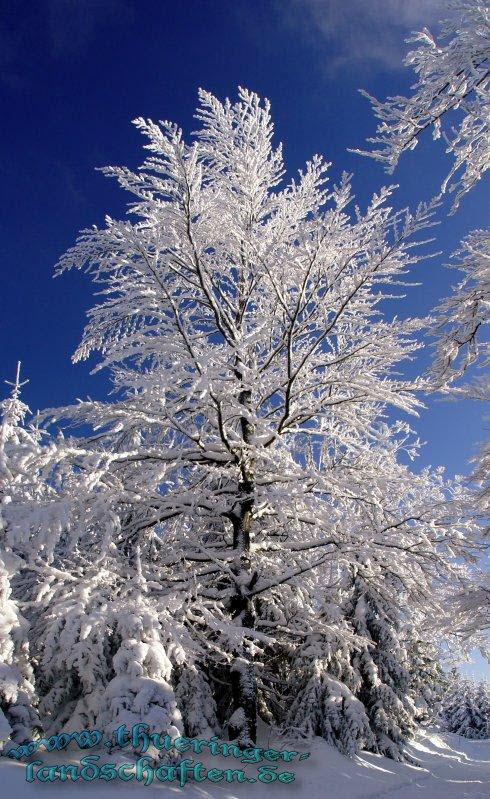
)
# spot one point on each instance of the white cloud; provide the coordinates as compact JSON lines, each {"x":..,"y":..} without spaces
{"x":369,"y":31}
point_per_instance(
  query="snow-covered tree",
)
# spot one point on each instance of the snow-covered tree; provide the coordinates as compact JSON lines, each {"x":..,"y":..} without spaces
{"x":461,"y":346}
{"x":461,"y":342}
{"x":141,"y":689}
{"x":105,"y":648}
{"x":428,"y":682}
{"x":17,"y":447}
{"x":454,"y":78}
{"x":369,"y":690}
{"x":382,"y":663}
{"x":466,"y":709}
{"x":451,"y":96}
{"x":196,"y":701}
{"x":325,"y":685}
{"x":245,"y":455}
{"x":482,"y":702}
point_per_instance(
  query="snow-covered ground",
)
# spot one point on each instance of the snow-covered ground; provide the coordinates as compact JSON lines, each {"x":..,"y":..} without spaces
{"x":451,"y":767}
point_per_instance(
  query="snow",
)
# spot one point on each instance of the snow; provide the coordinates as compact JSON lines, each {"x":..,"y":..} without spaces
{"x":451,"y":767}
{"x":5,"y":728}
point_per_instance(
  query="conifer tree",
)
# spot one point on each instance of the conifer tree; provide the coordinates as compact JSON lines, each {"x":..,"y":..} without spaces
{"x":17,"y":447}
{"x":428,"y":682}
{"x":382,"y":663}
{"x":482,"y":702}
{"x":465,"y":709}
{"x":326,"y":685}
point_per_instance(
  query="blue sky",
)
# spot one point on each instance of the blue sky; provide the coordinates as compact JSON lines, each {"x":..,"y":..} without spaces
{"x":75,"y":72}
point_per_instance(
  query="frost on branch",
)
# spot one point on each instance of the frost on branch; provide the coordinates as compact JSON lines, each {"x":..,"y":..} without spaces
{"x":462,"y":346}
{"x":460,"y":319}
{"x":451,"y":96}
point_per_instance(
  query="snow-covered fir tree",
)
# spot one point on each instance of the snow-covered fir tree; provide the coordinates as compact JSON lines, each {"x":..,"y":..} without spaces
{"x":466,"y":709}
{"x":196,"y":701}
{"x":245,"y":459}
{"x":382,"y":663}
{"x":325,"y":685}
{"x":482,"y":702}
{"x":428,"y":682}
{"x":140,"y":690}
{"x":17,"y":447}
{"x":104,"y":647}
{"x":364,"y":683}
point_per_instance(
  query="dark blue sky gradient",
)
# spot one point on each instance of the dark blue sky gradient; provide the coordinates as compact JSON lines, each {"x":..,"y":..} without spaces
{"x":74,"y":74}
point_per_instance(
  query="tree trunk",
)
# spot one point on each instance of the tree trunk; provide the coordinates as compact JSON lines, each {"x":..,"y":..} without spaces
{"x":242,"y":726}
